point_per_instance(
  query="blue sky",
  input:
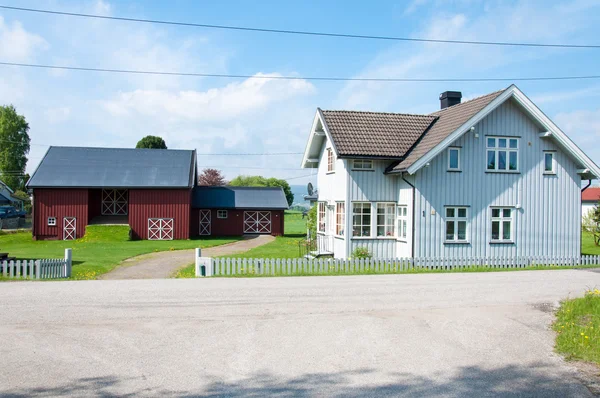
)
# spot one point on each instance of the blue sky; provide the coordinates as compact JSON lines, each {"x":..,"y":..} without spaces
{"x":236,"y":115}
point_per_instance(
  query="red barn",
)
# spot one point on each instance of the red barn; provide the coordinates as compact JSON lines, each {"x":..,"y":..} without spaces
{"x":151,"y":190}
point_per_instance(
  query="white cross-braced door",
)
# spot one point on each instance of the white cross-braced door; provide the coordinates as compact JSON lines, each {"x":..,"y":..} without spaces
{"x":69,"y":228}
{"x":114,"y":202}
{"x":160,"y":229}
{"x":257,"y":222}
{"x":205,"y":222}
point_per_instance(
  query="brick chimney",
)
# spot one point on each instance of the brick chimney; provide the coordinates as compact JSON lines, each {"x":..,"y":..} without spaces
{"x":449,"y":98}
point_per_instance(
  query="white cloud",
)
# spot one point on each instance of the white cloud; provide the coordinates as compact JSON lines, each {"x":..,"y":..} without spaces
{"x":17,"y":44}
{"x":57,"y":115}
{"x":583,"y":127}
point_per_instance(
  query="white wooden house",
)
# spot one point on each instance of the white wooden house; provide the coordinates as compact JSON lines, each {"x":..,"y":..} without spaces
{"x":493,"y":176}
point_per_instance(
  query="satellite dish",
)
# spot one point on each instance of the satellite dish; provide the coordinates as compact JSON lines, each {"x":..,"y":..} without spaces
{"x":310,"y":189}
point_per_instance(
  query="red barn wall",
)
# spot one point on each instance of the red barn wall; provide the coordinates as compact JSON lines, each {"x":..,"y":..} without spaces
{"x":59,"y":203}
{"x":233,"y":225}
{"x":160,"y":203}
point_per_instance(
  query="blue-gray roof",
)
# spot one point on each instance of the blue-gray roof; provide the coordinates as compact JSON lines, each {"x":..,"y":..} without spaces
{"x":239,"y":198}
{"x":4,"y":199}
{"x":78,"y":167}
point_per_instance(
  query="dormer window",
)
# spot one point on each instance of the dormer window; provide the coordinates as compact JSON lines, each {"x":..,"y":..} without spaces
{"x":453,"y":159}
{"x":502,"y":154}
{"x":330,"y":161}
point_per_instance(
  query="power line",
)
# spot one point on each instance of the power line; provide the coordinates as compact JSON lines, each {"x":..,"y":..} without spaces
{"x":316,"y":78}
{"x":306,"y":33}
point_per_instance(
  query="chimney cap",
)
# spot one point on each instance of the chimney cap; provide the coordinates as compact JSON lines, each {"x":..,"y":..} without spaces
{"x":451,"y":94}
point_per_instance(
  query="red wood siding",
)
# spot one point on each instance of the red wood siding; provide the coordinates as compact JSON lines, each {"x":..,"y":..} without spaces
{"x":233,"y":225}
{"x":59,"y":203}
{"x":160,"y":203}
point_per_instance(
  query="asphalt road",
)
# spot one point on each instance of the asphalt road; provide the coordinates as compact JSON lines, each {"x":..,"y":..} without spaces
{"x":431,"y":335}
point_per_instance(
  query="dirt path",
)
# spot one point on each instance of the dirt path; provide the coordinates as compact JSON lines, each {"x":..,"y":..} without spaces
{"x":163,"y":264}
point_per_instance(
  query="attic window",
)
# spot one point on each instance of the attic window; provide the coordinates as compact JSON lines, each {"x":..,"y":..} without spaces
{"x":502,"y":154}
{"x":549,"y":167}
{"x":330,"y":161}
{"x":453,"y":159}
{"x":361,"y":164}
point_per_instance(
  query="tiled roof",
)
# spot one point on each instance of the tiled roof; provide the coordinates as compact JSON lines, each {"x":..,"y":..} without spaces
{"x":591,"y":194}
{"x":449,"y":119}
{"x":375,"y":134}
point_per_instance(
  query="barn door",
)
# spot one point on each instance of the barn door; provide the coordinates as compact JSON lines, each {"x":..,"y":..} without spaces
{"x":204,"y":222}
{"x":257,"y":222}
{"x":69,"y":228}
{"x":114,"y":202}
{"x":160,"y":229}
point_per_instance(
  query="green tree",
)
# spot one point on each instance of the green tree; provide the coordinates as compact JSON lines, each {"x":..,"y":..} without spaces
{"x":26,"y":200}
{"x":311,"y":221}
{"x":151,"y":142}
{"x":259,"y":181}
{"x":14,"y":146}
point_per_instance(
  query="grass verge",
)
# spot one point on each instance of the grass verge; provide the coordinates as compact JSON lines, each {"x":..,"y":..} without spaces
{"x":577,"y":327}
{"x":101,"y":249}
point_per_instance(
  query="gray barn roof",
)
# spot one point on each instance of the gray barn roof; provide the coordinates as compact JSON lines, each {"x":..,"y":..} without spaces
{"x":80,"y":167}
{"x":239,"y":198}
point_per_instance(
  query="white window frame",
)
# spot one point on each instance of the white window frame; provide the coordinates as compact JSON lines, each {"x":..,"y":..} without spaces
{"x":389,"y":215}
{"x":552,"y":162}
{"x":330,"y":161}
{"x":52,"y":221}
{"x":457,"y":149}
{"x":321,"y":217}
{"x":222,"y":214}
{"x":362,"y":165}
{"x":496,"y":149}
{"x":455,"y":219}
{"x":362,"y":226}
{"x":502,"y":219}
{"x":340,"y":218}
{"x":402,"y":222}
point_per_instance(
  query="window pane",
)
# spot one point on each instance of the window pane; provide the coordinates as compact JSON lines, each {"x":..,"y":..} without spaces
{"x":449,"y":230}
{"x":547,"y":162}
{"x":450,"y":212}
{"x":453,"y":158}
{"x":366,"y":231}
{"x":380,"y":230}
{"x":491,"y":142}
{"x":462,"y":230}
{"x":495,"y":213}
{"x":404,"y":229}
{"x":501,"y":160}
{"x":368,"y":164}
{"x":462,"y":213}
{"x":495,"y":230}
{"x":514,"y":143}
{"x":366,"y":219}
{"x":506,"y":230}
{"x":404,"y":211}
{"x":491,"y":160}
{"x":366,"y":208}
{"x":512,"y":161}
{"x":506,"y":213}
{"x":502,"y":142}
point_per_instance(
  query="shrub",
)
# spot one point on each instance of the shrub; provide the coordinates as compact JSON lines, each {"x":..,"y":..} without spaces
{"x":311,"y":221}
{"x":361,"y":252}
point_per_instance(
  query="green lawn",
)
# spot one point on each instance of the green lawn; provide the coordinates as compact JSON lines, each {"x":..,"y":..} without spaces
{"x":99,"y":251}
{"x":577,"y":327}
{"x":588,"y":247}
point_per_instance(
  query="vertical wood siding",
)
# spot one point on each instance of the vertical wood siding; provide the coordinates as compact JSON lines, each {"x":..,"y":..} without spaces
{"x":548,"y":222}
{"x":59,"y":203}
{"x":160,"y":203}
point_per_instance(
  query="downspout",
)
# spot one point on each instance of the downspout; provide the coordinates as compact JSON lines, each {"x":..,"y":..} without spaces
{"x":412,"y":250}
{"x":587,"y":186}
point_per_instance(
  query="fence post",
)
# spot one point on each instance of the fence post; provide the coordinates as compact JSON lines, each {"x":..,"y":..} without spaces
{"x":68,"y":262}
{"x":205,"y":262}
{"x":198,"y":254}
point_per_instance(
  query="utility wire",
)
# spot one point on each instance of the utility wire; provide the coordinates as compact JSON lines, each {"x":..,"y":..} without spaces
{"x":303,"y":32}
{"x":316,"y":78}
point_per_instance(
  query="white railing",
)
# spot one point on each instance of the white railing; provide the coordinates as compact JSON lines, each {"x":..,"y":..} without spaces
{"x":206,"y":266}
{"x":38,"y":269}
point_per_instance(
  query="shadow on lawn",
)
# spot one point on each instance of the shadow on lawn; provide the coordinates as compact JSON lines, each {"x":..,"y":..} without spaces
{"x":535,"y":380}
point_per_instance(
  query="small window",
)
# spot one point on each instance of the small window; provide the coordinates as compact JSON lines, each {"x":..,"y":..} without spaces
{"x":456,"y":224}
{"x":52,"y":221}
{"x":402,"y":221}
{"x":385,"y":219}
{"x":502,"y":154}
{"x":321,"y":216}
{"x":361,"y":164}
{"x":549,"y":163}
{"x":361,"y":219}
{"x":453,"y":159}
{"x":502,"y":225}
{"x":221,"y":213}
{"x":340,"y":218}
{"x":330,"y":161}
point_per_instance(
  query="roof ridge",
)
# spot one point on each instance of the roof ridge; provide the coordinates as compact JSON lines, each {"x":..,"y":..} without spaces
{"x":378,"y":113}
{"x":119,"y":148}
{"x":436,"y":113}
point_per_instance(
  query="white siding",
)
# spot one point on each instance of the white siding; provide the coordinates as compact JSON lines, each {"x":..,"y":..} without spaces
{"x":548,"y":222}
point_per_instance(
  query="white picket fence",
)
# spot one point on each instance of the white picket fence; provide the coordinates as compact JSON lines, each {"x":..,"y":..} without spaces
{"x":38,"y":269}
{"x":206,"y":266}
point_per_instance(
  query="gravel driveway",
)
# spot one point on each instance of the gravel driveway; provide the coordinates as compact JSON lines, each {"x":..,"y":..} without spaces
{"x":436,"y":335}
{"x":164,"y":264}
